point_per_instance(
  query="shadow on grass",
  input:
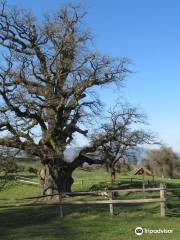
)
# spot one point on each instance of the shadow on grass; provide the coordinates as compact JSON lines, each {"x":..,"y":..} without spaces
{"x":45,"y":223}
{"x":16,"y":219}
{"x":79,"y":222}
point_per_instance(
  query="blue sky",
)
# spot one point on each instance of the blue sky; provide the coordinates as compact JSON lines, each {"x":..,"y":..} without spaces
{"x":147,"y":32}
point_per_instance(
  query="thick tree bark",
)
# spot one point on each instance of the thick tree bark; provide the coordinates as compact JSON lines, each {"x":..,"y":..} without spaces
{"x":56,"y":175}
{"x":54,"y":180}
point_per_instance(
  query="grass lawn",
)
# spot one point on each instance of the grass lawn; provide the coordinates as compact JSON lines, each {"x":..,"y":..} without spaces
{"x":87,"y":222}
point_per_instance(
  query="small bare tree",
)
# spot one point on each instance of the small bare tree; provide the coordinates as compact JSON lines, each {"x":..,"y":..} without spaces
{"x":119,"y":138}
{"x":47,"y":75}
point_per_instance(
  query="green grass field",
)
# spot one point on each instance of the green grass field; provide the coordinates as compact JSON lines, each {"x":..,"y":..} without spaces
{"x":87,"y":222}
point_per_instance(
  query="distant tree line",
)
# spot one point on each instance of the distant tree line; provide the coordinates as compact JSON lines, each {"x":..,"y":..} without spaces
{"x":163,"y":162}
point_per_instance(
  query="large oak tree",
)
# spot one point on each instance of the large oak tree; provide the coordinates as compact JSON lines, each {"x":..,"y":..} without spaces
{"x":47,"y":73}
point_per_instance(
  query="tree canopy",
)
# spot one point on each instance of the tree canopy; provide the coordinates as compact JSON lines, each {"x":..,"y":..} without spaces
{"x":46,"y":75}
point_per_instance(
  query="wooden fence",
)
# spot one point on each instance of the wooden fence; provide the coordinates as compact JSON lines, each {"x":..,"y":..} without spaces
{"x":111,"y":201}
{"x":109,"y":194}
{"x":26,"y":180}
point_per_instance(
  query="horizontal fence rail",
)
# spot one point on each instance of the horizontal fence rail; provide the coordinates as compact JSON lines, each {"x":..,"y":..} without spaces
{"x":26,"y":180}
{"x":132,"y":201}
{"x":96,"y":193}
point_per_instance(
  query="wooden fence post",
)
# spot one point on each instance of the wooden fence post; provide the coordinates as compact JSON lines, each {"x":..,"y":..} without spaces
{"x":60,"y":205}
{"x":110,"y":205}
{"x":162,"y":196}
{"x":153,"y":179}
{"x":143,"y":182}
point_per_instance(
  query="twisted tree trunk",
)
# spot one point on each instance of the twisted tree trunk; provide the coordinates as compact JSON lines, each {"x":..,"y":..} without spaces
{"x":56,"y":176}
{"x":55,"y":180}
